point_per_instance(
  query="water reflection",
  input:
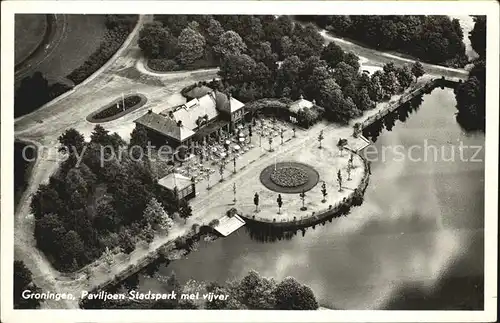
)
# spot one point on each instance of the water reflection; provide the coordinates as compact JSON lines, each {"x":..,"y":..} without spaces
{"x":415,"y":243}
{"x":374,"y":130}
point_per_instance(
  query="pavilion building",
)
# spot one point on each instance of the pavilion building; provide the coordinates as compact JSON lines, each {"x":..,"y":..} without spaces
{"x":298,"y":105}
{"x":197,"y":120}
{"x":180,"y":186}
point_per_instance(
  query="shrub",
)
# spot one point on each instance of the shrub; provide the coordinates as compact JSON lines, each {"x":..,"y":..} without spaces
{"x":163,"y":65}
{"x":214,"y":223}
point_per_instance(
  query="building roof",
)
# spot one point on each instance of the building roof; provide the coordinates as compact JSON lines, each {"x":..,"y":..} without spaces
{"x":227,"y":104}
{"x":164,"y":125}
{"x":198,"y":91}
{"x":173,"y":180}
{"x":301,"y":103}
{"x":189,"y":112}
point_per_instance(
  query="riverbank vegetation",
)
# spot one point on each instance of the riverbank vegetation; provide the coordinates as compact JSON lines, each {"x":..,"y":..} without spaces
{"x":97,"y":202}
{"x":433,"y":39}
{"x":35,"y":90}
{"x":253,"y":292}
{"x":471,"y":95}
{"x":23,"y":280}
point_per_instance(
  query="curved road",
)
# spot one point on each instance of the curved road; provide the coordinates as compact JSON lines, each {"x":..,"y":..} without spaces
{"x":124,"y":73}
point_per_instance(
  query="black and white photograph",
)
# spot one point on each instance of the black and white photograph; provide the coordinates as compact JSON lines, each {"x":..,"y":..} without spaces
{"x":307,"y":158}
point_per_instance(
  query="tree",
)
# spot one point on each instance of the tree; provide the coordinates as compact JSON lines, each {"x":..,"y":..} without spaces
{"x":256,"y":292}
{"x":106,"y":217}
{"x":390,"y":83}
{"x":352,"y":60}
{"x":139,"y":137}
{"x":191,"y":46}
{"x":72,"y":140}
{"x":152,"y":38}
{"x":220,"y":304}
{"x":237,"y":69}
{"x":477,"y":36}
{"x":49,"y":231}
{"x":332,"y":54}
{"x":279,"y":200}
{"x":305,"y":117}
{"x":375,"y":89}
{"x":72,"y":248}
{"x":320,"y":138}
{"x":214,"y":31}
{"x":340,"y":144}
{"x":126,"y":241}
{"x":324,"y":192}
{"x":46,"y":200}
{"x":208,"y":179}
{"x":148,"y":234}
{"x":230,"y":43}
{"x":175,"y":23}
{"x":291,"y":295}
{"x":108,"y":257}
{"x":185,"y":210}
{"x":100,"y":136}
{"x":222,"y":166}
{"x":156,"y":216}
{"x":339,"y":180}
{"x":417,"y":70}
{"x":256,"y":201}
{"x":363,"y":101}
{"x":264,"y":53}
{"x":405,"y":76}
{"x":350,"y":167}
{"x":23,"y":280}
{"x":288,"y":76}
{"x":344,"y":74}
{"x":303,"y":198}
{"x":339,"y":108}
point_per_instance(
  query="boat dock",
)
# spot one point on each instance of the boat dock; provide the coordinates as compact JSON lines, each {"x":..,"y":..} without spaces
{"x":228,"y":225}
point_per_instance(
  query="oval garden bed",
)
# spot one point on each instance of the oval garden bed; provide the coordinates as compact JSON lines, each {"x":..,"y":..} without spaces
{"x":117,"y":108}
{"x":289,"y":177}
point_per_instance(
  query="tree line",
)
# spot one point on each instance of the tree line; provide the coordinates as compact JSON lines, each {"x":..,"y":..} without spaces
{"x":269,"y":57}
{"x":471,"y":95}
{"x":91,"y":207}
{"x":433,"y":38}
{"x":253,"y":292}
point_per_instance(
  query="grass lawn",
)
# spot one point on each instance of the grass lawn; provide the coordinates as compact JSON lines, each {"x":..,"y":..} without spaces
{"x":29,"y":30}
{"x":82,"y":35}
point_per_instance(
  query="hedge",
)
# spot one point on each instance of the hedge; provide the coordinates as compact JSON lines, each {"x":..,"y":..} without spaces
{"x":112,"y":41}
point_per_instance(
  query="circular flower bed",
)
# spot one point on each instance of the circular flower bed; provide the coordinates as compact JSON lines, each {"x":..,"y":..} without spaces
{"x":289,"y":176}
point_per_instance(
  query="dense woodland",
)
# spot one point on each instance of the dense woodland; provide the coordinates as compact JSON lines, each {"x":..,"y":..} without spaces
{"x":23,"y":281}
{"x":34,"y":91}
{"x":93,"y":207}
{"x":268,"y":57}
{"x":252,"y":292}
{"x":433,"y":39}
{"x":471,"y":95}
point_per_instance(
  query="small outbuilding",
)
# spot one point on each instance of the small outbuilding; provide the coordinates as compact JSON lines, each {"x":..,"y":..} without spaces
{"x":180,"y":186}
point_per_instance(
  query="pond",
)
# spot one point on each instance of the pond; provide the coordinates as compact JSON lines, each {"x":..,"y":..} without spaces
{"x":415,"y":243}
